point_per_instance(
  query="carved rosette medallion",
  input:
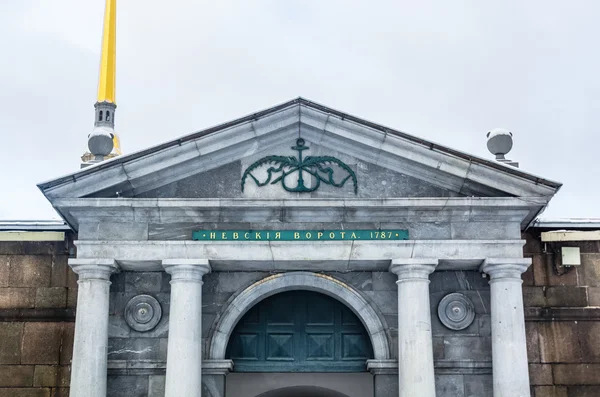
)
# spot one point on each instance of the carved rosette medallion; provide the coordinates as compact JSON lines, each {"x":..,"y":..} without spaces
{"x":456,"y":311}
{"x":142,"y":313}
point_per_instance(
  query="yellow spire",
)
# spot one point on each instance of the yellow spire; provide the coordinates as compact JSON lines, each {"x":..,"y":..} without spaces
{"x":108,"y":63}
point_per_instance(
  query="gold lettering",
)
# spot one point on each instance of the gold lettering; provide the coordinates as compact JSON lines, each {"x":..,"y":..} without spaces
{"x":343,"y":234}
{"x":332,"y":235}
{"x":277,"y":236}
{"x":319,"y":235}
{"x":296,"y":235}
{"x":308,"y":235}
{"x":353,"y":236}
{"x":213,"y":235}
{"x":224,"y":236}
{"x":247,"y":236}
{"x":235,"y":235}
{"x":258,"y":236}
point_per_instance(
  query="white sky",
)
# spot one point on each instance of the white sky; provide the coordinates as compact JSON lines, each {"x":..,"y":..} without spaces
{"x":446,"y":71}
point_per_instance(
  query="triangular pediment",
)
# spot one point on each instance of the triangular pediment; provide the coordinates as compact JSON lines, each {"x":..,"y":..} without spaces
{"x":386,"y":163}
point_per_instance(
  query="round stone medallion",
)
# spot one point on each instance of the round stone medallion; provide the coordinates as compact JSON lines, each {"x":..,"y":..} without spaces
{"x":142,"y":313}
{"x":456,"y":311}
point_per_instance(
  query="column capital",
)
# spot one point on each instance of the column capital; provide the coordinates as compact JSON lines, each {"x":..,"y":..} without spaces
{"x":186,"y":269}
{"x":413,"y":268}
{"x":94,"y":268}
{"x":505,"y":268}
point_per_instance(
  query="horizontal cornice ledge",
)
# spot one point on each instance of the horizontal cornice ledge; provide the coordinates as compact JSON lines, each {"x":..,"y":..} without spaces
{"x":288,"y":256}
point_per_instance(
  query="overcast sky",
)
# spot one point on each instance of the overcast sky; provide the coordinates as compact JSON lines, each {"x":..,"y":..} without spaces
{"x":446,"y":71}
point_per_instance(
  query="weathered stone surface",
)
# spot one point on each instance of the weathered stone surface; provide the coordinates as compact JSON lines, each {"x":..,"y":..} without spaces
{"x":60,"y":392}
{"x":28,"y":392}
{"x":60,"y":270}
{"x":583,"y":391}
{"x":156,"y":386}
{"x":534,"y":296}
{"x":386,"y":385}
{"x":550,"y":391}
{"x":449,"y":385}
{"x":590,"y":269}
{"x":16,"y":375}
{"x":576,"y":374}
{"x":568,"y":350}
{"x":71,"y":297}
{"x":143,"y":282}
{"x":533,"y":342}
{"x":42,"y":343}
{"x":478,"y":385}
{"x":10,"y":343}
{"x":385,"y":301}
{"x":66,"y":345}
{"x":46,"y":375}
{"x":589,"y":338}
{"x":485,"y":324}
{"x":467,"y":348}
{"x":485,"y":230}
{"x":567,"y":296}
{"x":31,"y":247}
{"x":137,"y":349}
{"x":594,"y":296}
{"x":113,"y":231}
{"x":228,"y":282}
{"x":384,"y":281}
{"x":17,"y":298}
{"x":54,"y":297}
{"x":4,"y":270}
{"x":30,"y":270}
{"x":540,"y":374}
{"x":127,"y":386}
{"x":538,"y":267}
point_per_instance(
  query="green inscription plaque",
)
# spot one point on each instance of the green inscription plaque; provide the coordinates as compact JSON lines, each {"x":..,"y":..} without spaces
{"x":299,"y":235}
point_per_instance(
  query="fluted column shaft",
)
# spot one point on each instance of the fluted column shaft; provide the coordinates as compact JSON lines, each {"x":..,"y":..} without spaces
{"x":415,"y":348}
{"x":184,"y":355}
{"x":90,"y":346}
{"x":509,"y":348}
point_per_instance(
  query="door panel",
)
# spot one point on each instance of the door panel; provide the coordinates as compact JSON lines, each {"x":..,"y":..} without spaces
{"x":299,"y":331}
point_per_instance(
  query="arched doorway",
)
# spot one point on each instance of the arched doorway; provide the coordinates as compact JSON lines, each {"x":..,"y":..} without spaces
{"x":299,"y":331}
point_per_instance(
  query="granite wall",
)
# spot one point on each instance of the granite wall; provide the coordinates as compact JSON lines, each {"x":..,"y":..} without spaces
{"x":562,"y":319}
{"x":38,"y":293}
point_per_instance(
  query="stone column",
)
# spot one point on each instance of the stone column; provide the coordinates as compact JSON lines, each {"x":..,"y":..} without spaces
{"x":90,"y":347}
{"x":509,"y":348}
{"x":184,"y":354}
{"x":415,"y":355}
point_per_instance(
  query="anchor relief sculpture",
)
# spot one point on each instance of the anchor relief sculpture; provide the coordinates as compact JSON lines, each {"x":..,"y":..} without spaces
{"x":319,"y":167}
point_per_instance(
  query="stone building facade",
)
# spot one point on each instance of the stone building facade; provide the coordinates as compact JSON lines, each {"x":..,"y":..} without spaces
{"x":186,"y":287}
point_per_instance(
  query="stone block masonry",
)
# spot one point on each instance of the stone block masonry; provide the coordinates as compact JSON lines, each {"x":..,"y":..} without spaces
{"x":36,"y":319}
{"x":562,"y":321}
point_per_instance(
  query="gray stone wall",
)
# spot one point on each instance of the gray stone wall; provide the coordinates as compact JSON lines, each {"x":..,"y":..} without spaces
{"x":463,"y":358}
{"x":38,"y":294}
{"x":373,"y":181}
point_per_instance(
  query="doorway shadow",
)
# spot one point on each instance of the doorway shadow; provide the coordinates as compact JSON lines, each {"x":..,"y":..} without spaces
{"x":302,"y":391}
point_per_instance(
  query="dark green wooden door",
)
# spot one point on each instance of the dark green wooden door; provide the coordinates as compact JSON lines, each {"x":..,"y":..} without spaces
{"x":299,"y":331}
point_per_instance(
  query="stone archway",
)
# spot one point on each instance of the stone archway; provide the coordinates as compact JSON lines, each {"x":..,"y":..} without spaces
{"x":299,"y":281}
